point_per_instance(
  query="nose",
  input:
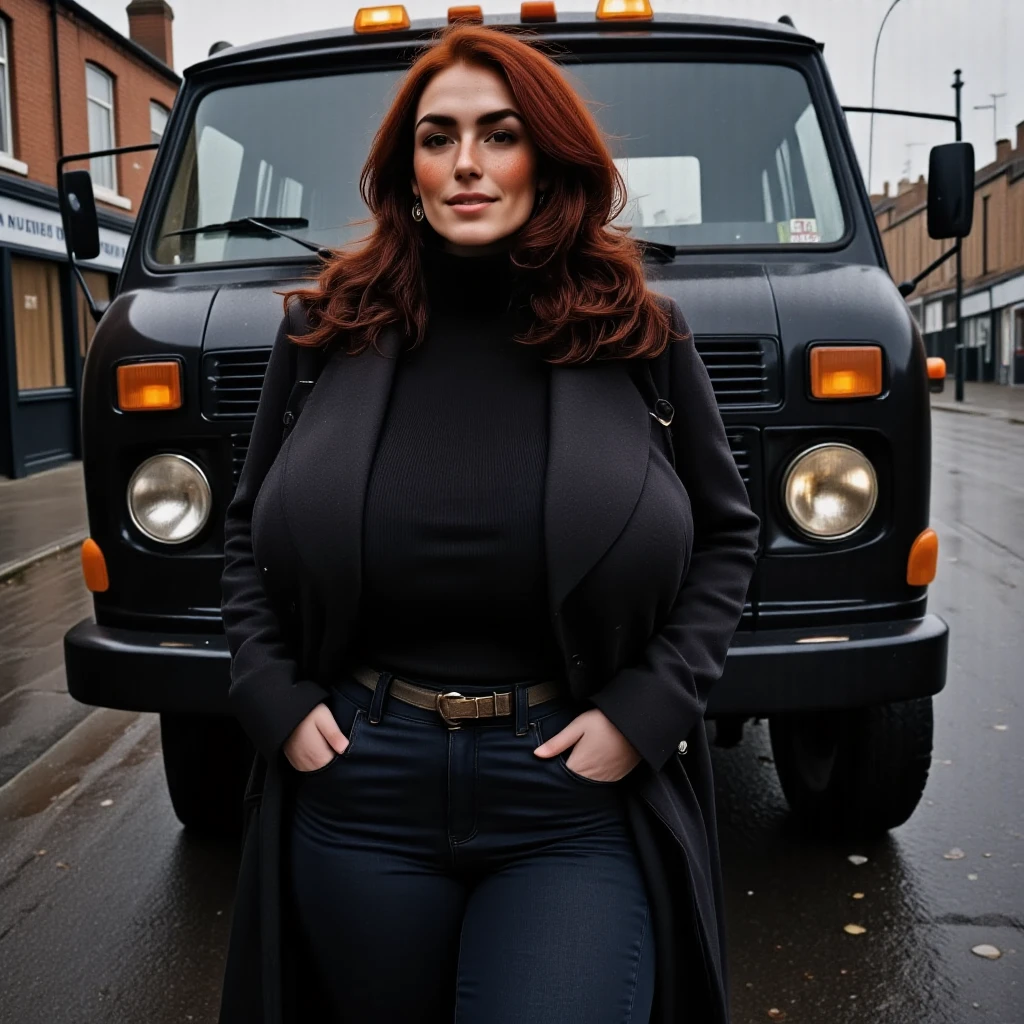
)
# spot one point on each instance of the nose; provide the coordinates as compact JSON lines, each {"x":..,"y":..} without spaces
{"x":467,"y":162}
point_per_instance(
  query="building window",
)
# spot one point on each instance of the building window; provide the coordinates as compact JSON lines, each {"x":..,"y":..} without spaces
{"x":99,"y":91}
{"x":6,"y":135}
{"x":157,"y":121}
{"x":38,"y":325}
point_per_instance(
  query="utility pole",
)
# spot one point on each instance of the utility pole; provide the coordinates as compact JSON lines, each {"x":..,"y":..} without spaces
{"x":993,"y":106}
{"x":959,"y":350}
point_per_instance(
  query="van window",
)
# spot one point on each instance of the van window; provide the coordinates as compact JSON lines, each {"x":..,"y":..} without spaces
{"x":713,"y":154}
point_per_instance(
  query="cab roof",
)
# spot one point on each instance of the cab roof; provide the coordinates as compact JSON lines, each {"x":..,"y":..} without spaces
{"x":570,"y":24}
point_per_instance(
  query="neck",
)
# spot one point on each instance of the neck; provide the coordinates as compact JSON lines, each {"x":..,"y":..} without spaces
{"x":479,"y":283}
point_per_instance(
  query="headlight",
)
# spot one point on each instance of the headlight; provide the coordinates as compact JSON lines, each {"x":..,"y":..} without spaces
{"x":830,"y":490}
{"x":169,"y":499}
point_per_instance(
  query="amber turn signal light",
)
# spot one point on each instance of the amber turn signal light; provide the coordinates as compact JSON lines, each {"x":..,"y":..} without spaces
{"x":924,"y":556}
{"x":94,"y":567}
{"x":633,"y":10}
{"x":381,"y":19}
{"x":149,"y":386}
{"x":469,"y":14}
{"x":936,"y":368}
{"x":846,"y":371}
{"x":533,"y":11}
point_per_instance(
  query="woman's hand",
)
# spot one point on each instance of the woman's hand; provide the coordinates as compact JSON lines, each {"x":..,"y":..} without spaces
{"x":315,"y":740}
{"x":601,"y":752}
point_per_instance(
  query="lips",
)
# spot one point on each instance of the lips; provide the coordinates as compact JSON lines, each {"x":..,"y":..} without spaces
{"x":469,"y":199}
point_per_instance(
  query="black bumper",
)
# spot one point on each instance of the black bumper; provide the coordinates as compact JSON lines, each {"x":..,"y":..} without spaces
{"x":766,"y":671}
{"x":799,"y":670}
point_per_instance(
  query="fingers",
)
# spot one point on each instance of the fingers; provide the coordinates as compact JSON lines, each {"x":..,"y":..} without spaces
{"x":562,"y":740}
{"x":329,"y":729}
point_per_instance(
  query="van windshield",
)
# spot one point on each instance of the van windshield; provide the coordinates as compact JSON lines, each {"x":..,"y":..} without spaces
{"x":713,"y":154}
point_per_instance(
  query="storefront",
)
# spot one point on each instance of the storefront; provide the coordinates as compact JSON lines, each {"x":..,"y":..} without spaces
{"x":45,"y":327}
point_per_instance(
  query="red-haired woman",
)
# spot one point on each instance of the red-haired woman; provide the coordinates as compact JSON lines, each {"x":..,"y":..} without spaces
{"x":474,"y":613}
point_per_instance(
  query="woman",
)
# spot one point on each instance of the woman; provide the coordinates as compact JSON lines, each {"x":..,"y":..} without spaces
{"x":477,"y":500}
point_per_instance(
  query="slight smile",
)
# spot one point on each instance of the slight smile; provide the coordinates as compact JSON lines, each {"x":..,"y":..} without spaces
{"x":470,"y":202}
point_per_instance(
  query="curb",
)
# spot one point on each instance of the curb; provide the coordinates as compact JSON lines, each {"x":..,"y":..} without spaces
{"x":992,"y":414}
{"x":9,"y":569}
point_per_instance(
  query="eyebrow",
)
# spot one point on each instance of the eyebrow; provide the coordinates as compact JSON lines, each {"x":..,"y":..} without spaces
{"x":447,"y":120}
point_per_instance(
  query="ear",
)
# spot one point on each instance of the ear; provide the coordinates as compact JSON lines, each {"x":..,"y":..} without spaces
{"x":415,"y":189}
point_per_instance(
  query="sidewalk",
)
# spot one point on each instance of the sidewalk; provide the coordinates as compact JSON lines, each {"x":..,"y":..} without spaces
{"x":997,"y":400}
{"x":40,"y":515}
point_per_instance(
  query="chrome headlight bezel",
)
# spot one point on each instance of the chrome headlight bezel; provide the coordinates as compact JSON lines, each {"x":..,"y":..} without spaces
{"x":205,"y":503}
{"x":795,"y":462}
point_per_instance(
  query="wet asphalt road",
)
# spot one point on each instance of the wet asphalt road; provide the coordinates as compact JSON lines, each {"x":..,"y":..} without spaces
{"x":109,"y":912}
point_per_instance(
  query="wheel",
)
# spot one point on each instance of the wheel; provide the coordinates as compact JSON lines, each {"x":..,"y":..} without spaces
{"x":858,"y":772}
{"x":206,"y":761}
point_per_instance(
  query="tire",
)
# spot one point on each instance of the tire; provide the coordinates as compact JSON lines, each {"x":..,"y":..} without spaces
{"x":206,"y":762}
{"x":854,"y":773}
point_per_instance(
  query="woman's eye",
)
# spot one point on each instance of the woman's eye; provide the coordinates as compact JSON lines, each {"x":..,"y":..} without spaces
{"x":435,"y":140}
{"x":503,"y":136}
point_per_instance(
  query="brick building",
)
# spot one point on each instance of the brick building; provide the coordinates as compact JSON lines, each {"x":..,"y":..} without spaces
{"x":993,"y":267}
{"x":69,"y":84}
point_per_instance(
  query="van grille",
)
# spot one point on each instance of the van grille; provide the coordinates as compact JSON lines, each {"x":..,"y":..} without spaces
{"x":239,"y":449}
{"x":232,"y":381}
{"x":745,"y":445}
{"x":743,"y":371}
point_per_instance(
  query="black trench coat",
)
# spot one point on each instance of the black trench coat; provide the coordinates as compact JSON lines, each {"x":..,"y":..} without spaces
{"x":647,"y":575}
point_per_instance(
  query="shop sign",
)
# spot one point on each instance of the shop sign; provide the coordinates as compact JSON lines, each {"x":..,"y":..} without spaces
{"x":39,"y":228}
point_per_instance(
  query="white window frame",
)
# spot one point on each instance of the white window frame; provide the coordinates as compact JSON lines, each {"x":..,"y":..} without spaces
{"x":102,"y":189}
{"x":7,"y":160}
{"x":153,"y":106}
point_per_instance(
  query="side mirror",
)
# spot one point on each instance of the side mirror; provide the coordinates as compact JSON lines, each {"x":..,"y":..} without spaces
{"x":78,"y":212}
{"x":951,"y":190}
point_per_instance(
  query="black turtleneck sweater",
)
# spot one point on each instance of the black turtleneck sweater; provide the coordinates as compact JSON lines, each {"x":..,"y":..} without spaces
{"x":454,"y":575}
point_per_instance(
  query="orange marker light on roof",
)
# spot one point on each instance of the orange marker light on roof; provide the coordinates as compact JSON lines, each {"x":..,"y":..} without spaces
{"x":846,"y":371}
{"x":532,"y":11}
{"x":923,"y":558}
{"x":381,"y":19}
{"x":94,"y":567}
{"x":471,"y":14}
{"x":149,"y":387}
{"x":633,"y":10}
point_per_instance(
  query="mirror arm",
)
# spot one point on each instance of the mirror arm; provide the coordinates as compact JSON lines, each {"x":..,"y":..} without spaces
{"x":907,"y":287}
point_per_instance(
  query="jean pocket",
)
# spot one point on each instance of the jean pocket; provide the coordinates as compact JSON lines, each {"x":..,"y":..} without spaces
{"x":353,"y":732}
{"x":557,"y":722}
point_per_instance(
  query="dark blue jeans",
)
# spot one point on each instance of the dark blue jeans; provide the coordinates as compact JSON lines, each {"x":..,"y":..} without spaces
{"x":450,"y":875}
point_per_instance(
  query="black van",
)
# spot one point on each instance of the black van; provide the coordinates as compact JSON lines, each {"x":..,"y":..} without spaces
{"x":745,"y":184}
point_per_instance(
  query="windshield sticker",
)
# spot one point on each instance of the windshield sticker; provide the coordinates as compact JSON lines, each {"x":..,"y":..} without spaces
{"x":799,"y":229}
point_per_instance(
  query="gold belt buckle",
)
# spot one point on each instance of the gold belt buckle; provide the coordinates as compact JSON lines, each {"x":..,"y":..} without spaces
{"x":452,"y":693}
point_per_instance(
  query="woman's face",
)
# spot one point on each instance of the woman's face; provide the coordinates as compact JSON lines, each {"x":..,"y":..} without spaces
{"x":474,"y":166}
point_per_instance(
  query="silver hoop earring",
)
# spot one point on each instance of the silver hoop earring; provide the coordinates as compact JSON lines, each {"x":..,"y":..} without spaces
{"x":417,"y":211}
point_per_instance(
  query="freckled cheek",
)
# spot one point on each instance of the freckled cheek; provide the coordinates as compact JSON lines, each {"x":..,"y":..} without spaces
{"x":431,"y":176}
{"x":513,"y":172}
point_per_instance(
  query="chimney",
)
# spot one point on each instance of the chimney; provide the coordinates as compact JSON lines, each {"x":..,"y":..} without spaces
{"x":1003,"y":150}
{"x":1020,"y":139}
{"x":149,"y":25}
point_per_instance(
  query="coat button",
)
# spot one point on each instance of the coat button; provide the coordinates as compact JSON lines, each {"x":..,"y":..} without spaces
{"x":578,"y":661}
{"x":682,"y":747}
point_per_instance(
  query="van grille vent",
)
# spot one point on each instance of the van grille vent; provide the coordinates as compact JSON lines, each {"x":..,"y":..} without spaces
{"x":745,"y":445}
{"x":743,"y":371}
{"x":239,"y":449}
{"x":232,"y":381}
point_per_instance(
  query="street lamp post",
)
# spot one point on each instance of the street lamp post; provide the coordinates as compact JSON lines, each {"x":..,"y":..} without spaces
{"x":874,"y":68}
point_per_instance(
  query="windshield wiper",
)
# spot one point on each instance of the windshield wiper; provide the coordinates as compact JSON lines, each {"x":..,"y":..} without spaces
{"x":252,"y":226}
{"x":657,"y":250}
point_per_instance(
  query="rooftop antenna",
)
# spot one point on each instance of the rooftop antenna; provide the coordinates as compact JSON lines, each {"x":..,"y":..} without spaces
{"x":996,"y":97}
{"x":217,"y":47}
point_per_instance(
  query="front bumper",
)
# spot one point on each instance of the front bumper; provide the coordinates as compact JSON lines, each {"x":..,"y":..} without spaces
{"x":766,"y":671}
{"x":769,"y":671}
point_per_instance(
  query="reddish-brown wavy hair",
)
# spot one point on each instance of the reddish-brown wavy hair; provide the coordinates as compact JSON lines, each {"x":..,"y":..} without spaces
{"x":584,"y":277}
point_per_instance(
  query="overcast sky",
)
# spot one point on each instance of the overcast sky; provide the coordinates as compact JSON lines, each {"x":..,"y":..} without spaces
{"x":923,"y":41}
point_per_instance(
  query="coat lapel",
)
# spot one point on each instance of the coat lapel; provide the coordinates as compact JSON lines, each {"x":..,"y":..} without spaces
{"x":598,"y":448}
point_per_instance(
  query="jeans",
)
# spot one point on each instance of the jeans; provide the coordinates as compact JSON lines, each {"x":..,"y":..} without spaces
{"x":450,"y":875}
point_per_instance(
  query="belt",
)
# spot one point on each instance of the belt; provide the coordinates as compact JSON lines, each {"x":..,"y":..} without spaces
{"x":452,"y":706}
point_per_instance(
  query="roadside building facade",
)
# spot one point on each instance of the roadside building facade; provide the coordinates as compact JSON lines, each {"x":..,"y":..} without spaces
{"x":993,"y":268}
{"x":69,"y":84}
